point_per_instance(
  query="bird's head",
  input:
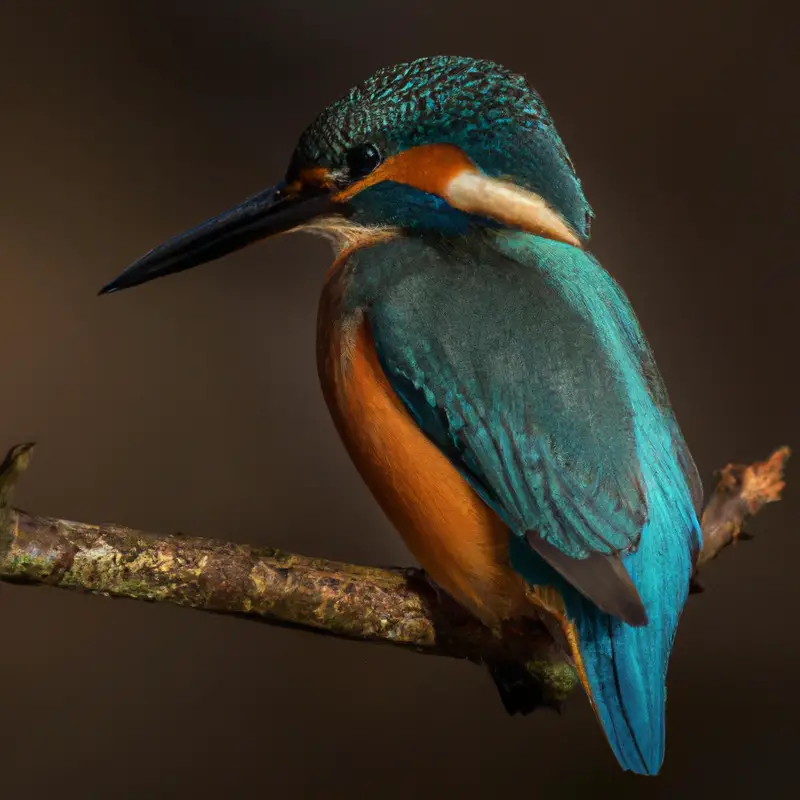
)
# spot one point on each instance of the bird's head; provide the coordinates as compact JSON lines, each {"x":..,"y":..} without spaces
{"x":438,"y":144}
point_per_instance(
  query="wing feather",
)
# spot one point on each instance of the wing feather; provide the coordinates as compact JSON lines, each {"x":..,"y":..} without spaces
{"x":509,"y":375}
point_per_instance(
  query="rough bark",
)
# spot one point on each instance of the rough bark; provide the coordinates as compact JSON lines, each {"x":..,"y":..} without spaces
{"x":392,"y":606}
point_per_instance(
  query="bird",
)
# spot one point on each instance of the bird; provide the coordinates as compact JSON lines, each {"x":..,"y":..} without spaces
{"x":488,"y":378}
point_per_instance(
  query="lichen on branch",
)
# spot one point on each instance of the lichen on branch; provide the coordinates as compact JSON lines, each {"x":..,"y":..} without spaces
{"x":391,"y":606}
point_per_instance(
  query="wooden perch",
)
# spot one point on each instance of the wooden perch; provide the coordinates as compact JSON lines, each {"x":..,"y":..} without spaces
{"x":392,"y":606}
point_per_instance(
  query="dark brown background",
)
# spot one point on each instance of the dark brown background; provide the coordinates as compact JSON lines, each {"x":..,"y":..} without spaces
{"x":192,"y":404}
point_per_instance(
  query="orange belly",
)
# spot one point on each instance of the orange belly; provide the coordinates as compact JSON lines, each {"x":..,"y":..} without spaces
{"x":457,"y":539}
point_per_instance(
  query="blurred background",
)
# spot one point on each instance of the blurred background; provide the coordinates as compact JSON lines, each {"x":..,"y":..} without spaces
{"x":192,"y":403}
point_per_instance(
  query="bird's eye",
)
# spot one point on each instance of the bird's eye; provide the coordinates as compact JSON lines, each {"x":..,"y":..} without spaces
{"x":362,"y":160}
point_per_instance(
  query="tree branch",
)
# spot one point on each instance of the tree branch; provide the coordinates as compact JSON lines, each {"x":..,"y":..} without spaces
{"x":391,"y":606}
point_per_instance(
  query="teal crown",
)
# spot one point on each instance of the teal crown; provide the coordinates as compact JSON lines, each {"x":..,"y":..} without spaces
{"x":488,"y":111}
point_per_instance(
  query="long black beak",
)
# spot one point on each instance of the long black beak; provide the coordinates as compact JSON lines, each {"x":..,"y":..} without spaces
{"x":272,"y":211}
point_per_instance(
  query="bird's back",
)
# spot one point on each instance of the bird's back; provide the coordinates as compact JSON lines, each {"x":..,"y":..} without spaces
{"x":523,"y":362}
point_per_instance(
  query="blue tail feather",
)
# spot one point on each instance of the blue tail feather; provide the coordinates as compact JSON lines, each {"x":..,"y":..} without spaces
{"x":626,"y":666}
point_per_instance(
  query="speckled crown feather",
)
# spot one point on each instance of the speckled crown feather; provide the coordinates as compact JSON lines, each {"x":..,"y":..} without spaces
{"x":489,"y":111}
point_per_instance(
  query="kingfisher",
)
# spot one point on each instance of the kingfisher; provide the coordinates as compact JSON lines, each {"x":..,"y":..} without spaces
{"x":487,"y":376}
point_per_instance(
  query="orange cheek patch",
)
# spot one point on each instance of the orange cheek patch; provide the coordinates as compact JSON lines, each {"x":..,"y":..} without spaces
{"x":429,"y":168}
{"x":446,"y":171}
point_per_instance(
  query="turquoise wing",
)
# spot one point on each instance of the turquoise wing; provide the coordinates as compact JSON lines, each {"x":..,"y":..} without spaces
{"x":508,"y":380}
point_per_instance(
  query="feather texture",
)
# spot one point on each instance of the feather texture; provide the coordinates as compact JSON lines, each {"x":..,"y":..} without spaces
{"x":488,"y":111}
{"x":521,"y":359}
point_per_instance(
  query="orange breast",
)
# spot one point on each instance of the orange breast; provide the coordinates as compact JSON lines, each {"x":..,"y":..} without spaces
{"x":460,"y":542}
